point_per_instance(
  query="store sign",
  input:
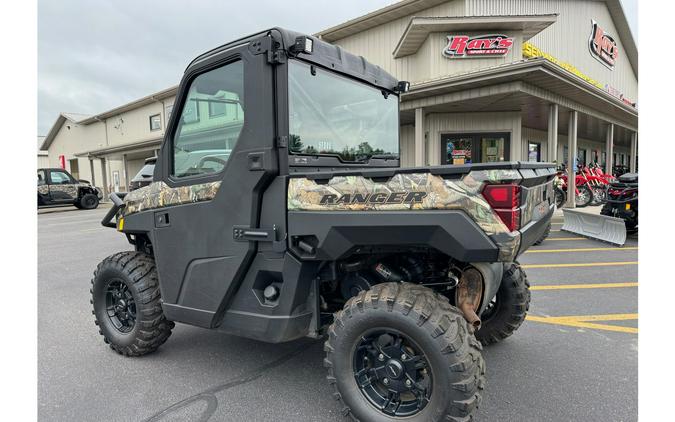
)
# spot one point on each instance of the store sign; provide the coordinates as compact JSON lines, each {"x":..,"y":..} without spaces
{"x":603,"y":46}
{"x":460,"y":46}
{"x":530,"y":51}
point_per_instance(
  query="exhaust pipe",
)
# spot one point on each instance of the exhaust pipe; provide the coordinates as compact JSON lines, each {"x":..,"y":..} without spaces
{"x":468,"y":295}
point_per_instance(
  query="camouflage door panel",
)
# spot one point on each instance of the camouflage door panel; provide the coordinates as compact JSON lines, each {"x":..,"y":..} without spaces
{"x":43,"y":189}
{"x":64,"y":191}
{"x":159,"y":195}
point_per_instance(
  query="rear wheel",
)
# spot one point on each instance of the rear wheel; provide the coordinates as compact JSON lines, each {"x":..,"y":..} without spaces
{"x":127,"y":308}
{"x":88,"y":201}
{"x":400,"y":350}
{"x":507,"y":311}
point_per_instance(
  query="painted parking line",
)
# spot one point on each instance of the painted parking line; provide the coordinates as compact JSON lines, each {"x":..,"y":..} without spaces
{"x":583,"y":286}
{"x":584,"y":321}
{"x":627,"y":248}
{"x":584,"y":264}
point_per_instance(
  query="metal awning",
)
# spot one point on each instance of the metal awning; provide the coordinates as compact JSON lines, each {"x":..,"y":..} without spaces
{"x":419,"y":28}
{"x":135,"y":146}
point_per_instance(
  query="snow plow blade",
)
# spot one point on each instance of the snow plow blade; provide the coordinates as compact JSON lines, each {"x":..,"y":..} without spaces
{"x":601,"y":227}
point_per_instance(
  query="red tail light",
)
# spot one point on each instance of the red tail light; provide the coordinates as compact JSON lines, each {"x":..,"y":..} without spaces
{"x":505,"y":200}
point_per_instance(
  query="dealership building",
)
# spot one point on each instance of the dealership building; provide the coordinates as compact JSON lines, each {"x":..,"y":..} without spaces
{"x":491,"y":80}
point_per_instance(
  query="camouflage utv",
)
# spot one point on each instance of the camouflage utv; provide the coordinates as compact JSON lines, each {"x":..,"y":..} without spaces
{"x":279,"y":210}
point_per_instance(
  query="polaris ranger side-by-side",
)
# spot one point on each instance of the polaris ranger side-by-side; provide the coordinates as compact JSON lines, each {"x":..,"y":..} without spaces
{"x":279,"y":210}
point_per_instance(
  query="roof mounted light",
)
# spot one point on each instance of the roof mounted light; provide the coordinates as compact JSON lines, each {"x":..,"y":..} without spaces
{"x":303,"y":44}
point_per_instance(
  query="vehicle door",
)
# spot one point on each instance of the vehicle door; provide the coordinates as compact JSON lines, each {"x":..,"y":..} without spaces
{"x":216,"y":160}
{"x":62,"y":187}
{"x":42,"y":187}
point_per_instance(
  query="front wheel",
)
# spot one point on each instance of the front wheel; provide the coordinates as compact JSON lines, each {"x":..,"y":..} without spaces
{"x":584,"y":196}
{"x":127,"y":304}
{"x":88,"y":201}
{"x":400,"y":350}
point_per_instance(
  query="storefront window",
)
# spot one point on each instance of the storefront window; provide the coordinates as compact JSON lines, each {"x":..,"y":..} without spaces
{"x":474,"y":148}
{"x":492,"y":149}
{"x":534,"y":151}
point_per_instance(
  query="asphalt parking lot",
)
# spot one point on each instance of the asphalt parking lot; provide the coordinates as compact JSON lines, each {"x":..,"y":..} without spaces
{"x":574,"y":359}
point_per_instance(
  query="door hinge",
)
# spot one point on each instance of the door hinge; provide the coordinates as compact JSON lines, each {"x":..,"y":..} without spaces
{"x":282,"y":141}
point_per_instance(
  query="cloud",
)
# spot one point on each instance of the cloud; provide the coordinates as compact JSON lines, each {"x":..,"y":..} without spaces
{"x":95,"y":55}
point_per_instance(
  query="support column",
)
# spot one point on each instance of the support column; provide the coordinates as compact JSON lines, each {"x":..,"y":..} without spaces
{"x":552,"y":148}
{"x":609,"y":148}
{"x":126,"y":173}
{"x":93,"y":175}
{"x":419,"y":138}
{"x":571,"y":159}
{"x":633,"y":152}
{"x":104,"y":173}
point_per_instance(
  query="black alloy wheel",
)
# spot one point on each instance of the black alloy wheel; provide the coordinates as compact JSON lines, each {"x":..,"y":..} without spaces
{"x":392,"y":372}
{"x":120,"y":306}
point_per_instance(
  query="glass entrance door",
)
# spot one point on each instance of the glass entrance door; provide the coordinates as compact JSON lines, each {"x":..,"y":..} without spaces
{"x":467,"y":148}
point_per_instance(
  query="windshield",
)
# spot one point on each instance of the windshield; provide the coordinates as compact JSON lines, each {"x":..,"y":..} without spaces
{"x":333,"y":115}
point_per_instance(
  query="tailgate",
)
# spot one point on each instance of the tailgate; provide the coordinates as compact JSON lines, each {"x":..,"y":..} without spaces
{"x":536,"y":193}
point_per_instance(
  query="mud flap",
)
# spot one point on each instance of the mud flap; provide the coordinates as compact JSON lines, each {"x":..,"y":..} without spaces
{"x":601,"y":227}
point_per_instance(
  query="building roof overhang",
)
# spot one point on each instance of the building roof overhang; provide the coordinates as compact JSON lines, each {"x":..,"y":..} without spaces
{"x":117,"y":149}
{"x":419,"y":28}
{"x":565,"y":87}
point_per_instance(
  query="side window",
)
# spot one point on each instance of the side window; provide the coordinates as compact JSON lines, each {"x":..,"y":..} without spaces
{"x":59,"y":178}
{"x":204,"y":140}
{"x":41,"y":178}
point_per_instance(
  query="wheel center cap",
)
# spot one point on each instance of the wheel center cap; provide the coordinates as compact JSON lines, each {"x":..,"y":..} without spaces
{"x":394,"y":369}
{"x":121,"y":304}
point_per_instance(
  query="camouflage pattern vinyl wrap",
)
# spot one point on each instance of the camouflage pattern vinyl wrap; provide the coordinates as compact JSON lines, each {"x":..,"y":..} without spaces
{"x":70,"y":189}
{"x":159,"y":195}
{"x":441,"y":194}
{"x":43,"y":189}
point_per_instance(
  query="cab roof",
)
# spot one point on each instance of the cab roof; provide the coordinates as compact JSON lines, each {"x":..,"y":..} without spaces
{"x":324,"y":54}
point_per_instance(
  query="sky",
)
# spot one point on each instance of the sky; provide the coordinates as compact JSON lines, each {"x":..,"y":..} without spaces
{"x":94,"y":55}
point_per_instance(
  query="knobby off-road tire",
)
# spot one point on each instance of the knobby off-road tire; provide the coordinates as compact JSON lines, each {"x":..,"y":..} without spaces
{"x":508,"y":310}
{"x":88,"y":201}
{"x":544,"y":236}
{"x":134,"y":274}
{"x":437,"y":328}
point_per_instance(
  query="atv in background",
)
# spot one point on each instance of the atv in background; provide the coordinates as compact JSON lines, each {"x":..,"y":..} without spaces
{"x":622,"y":200}
{"x":55,"y":186}
{"x":289,"y":216}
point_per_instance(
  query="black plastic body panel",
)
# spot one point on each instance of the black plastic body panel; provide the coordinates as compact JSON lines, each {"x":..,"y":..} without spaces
{"x":340,"y":233}
{"x":534,"y":230}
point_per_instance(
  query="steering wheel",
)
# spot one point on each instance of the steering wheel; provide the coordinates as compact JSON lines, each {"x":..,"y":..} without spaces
{"x":208,"y":158}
